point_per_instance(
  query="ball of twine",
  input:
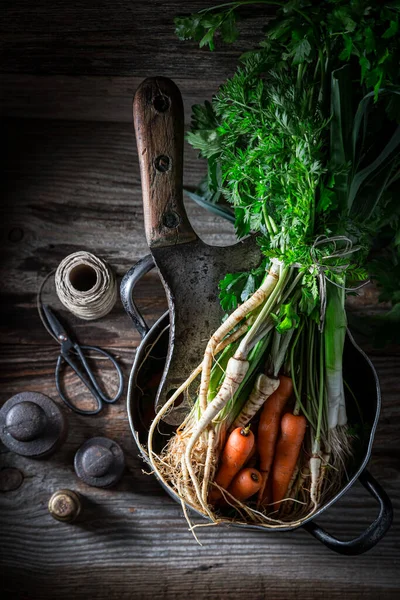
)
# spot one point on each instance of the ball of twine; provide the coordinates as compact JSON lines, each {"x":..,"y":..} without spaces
{"x":86,"y":285}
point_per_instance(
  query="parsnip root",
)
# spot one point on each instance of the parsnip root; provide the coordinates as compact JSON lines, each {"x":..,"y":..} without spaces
{"x":235,"y":373}
{"x":263,"y":388}
{"x":240,"y":313}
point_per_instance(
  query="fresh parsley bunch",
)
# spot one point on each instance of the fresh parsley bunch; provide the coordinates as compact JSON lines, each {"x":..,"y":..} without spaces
{"x":304,"y":140}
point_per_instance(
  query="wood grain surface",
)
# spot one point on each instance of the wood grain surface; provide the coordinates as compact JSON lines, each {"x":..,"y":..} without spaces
{"x":129,"y":37}
{"x":88,"y":98}
{"x":159,"y":130}
{"x":71,"y":181}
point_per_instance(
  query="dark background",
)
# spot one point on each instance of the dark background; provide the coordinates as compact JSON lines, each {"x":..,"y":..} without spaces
{"x":70,"y":181}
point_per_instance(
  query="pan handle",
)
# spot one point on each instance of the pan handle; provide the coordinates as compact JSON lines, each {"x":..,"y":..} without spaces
{"x":374,"y":532}
{"x":159,"y":123}
{"x":128,"y":282}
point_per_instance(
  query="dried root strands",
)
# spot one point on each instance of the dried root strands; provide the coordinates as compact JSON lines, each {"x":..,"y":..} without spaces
{"x":264,"y":386}
{"x":210,"y":459}
{"x":175,"y":445}
{"x":318,"y":466}
{"x":240,"y":313}
{"x":341,"y":449}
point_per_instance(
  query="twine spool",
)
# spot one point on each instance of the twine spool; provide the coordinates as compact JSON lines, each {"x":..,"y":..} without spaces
{"x":86,"y":285}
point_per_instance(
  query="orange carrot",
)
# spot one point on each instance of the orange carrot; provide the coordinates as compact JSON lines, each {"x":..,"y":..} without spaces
{"x":252,"y":458}
{"x":293,"y":429}
{"x":246,"y":483}
{"x":267,"y":495}
{"x":237,"y":449}
{"x":268,"y":429}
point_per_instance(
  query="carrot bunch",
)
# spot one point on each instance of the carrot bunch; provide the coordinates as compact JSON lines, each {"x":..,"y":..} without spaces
{"x":279,"y":440}
{"x":238,"y":449}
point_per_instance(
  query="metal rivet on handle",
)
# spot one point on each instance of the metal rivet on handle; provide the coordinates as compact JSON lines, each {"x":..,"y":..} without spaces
{"x":171,"y":219}
{"x":161,"y":103}
{"x":162,"y":163}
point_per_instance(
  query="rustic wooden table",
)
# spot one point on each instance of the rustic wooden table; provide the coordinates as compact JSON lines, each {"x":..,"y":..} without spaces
{"x":71,"y":181}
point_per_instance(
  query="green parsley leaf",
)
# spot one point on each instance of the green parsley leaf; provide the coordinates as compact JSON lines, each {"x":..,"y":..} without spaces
{"x":301,"y":51}
{"x":238,"y":287}
{"x":391,"y":30}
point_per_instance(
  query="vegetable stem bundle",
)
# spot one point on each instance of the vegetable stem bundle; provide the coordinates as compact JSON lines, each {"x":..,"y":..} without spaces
{"x":302,"y":144}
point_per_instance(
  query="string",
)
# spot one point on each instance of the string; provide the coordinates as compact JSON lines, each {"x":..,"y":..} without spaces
{"x":86,"y":285}
{"x":321,"y":268}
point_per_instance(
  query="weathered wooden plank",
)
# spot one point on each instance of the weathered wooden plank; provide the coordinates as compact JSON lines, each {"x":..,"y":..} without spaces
{"x":85,"y":175}
{"x":134,"y":528}
{"x":135,"y":38}
{"x":207,"y":581}
{"x":87,"y":98}
{"x":69,"y":186}
{"x":138,"y":512}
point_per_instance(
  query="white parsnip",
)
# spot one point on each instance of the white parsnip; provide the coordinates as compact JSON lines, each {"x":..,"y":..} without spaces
{"x":236,"y":370}
{"x":209,"y":463}
{"x":264,"y":386}
{"x":221,"y":346}
{"x":235,"y":373}
{"x":240,"y":331}
{"x":318,"y":466}
{"x":315,"y":472}
{"x":240,"y":313}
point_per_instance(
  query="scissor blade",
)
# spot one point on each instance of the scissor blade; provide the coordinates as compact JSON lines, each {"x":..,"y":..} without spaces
{"x":55,"y":324}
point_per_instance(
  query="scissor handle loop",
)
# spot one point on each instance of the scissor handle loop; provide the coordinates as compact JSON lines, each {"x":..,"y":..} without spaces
{"x":91,"y":383}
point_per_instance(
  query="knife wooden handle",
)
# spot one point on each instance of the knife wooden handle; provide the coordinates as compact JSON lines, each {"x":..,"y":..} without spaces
{"x":159,"y":120}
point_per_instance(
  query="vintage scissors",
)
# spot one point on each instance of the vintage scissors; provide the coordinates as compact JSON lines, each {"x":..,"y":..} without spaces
{"x":71,"y":353}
